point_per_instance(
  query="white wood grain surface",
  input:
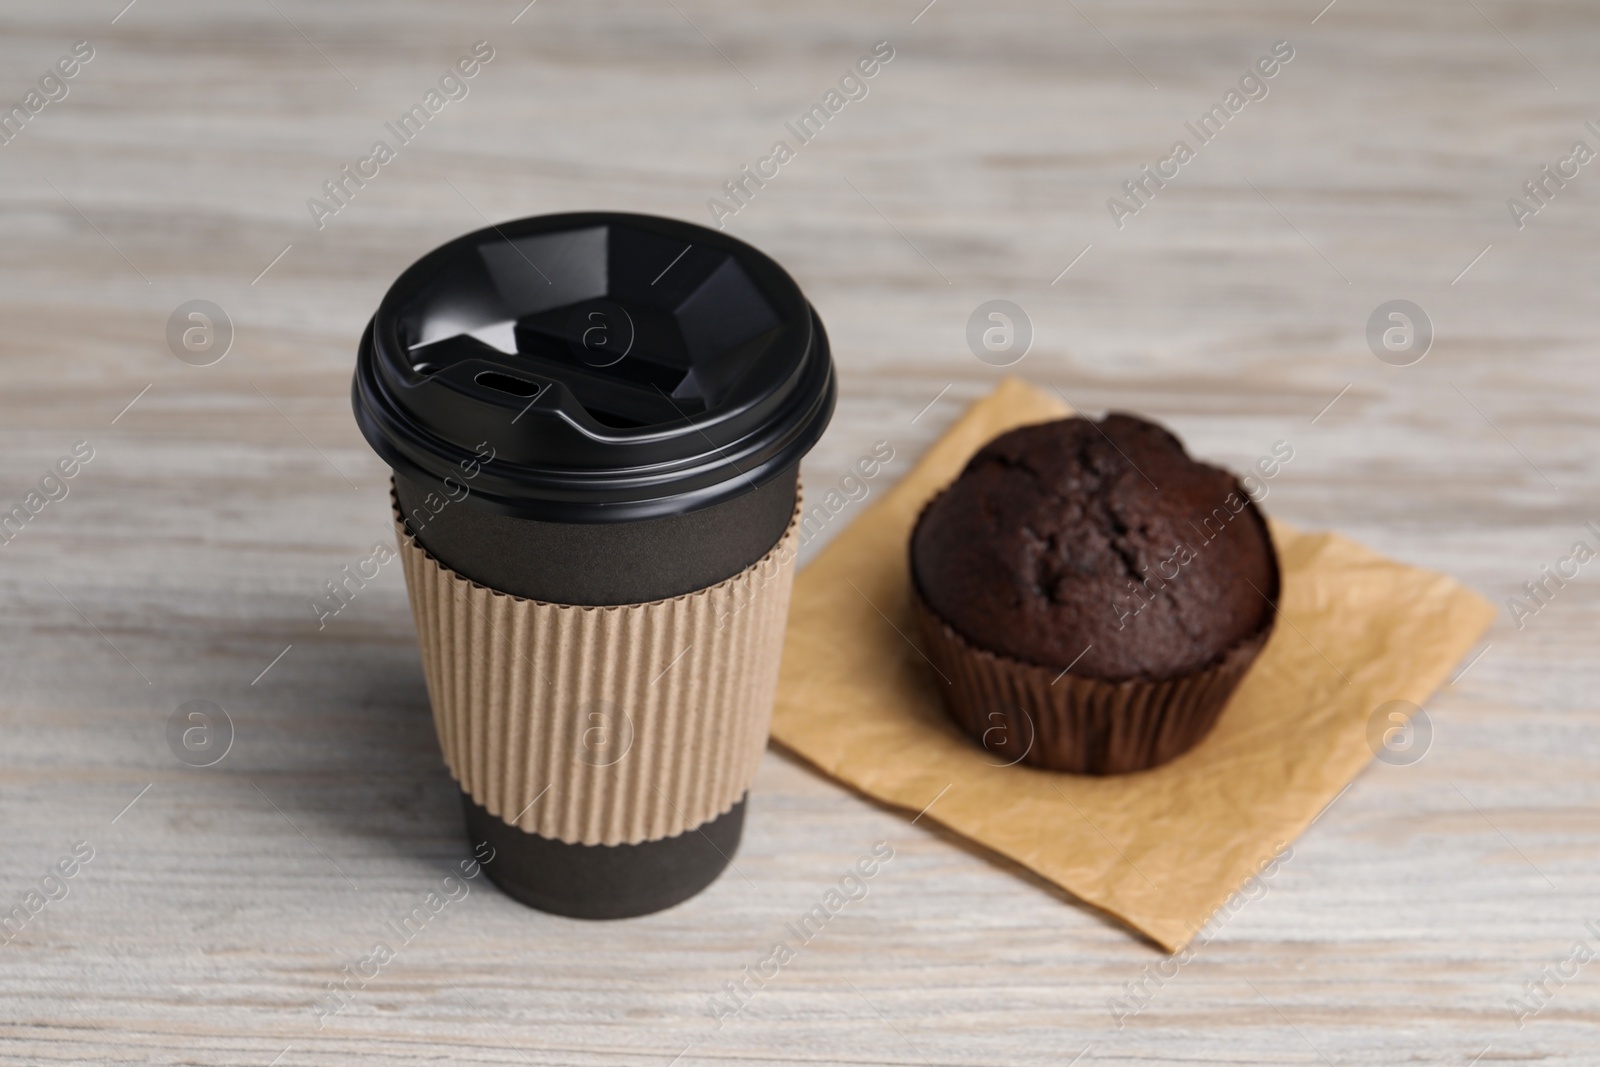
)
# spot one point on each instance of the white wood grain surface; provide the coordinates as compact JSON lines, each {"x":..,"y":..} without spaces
{"x":1233,"y":307}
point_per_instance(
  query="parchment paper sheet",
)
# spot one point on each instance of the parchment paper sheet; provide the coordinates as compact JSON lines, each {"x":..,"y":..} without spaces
{"x":1160,"y":849}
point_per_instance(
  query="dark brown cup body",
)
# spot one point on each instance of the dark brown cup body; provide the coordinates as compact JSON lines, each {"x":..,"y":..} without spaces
{"x":611,"y":563}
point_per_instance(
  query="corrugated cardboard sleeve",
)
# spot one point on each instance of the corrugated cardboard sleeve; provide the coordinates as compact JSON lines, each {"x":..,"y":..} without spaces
{"x":602,"y":725}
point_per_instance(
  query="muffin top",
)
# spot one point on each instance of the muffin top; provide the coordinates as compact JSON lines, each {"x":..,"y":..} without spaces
{"x":1102,"y":546}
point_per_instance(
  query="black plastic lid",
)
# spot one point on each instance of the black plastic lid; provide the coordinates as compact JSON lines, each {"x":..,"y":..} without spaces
{"x":620,"y":367}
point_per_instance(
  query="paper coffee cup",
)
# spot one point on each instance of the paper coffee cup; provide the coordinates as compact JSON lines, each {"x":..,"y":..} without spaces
{"x":595,"y":423}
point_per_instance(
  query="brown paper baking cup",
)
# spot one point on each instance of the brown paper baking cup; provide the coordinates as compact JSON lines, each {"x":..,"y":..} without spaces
{"x":1059,"y":721}
{"x":602,"y":725}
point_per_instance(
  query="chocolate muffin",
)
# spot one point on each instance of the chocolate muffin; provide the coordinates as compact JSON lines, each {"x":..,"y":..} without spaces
{"x":1092,"y":594}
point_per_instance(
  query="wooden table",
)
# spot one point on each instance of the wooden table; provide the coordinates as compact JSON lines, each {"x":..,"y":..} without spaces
{"x":1233,"y":305}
